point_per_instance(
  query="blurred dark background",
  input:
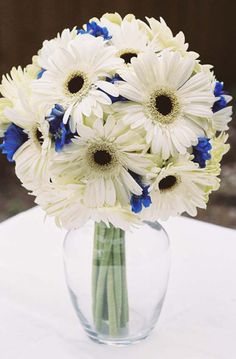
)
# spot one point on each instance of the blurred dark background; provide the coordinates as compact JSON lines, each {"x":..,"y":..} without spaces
{"x":209,"y":27}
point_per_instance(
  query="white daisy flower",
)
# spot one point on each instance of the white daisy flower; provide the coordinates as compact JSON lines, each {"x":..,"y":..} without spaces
{"x":222,"y":112}
{"x":102,"y":159}
{"x":33,"y":69}
{"x":164,"y":38}
{"x":206,"y":69}
{"x":180,"y":186}
{"x":25,"y":132}
{"x":13,"y":84}
{"x":221,"y":118}
{"x":51,"y":46}
{"x":32,"y":156}
{"x":114,"y":18}
{"x":167,"y":100}
{"x":4,"y":121}
{"x":75,"y":79}
{"x":130,"y":37}
{"x":219,"y":148}
{"x":64,"y":202}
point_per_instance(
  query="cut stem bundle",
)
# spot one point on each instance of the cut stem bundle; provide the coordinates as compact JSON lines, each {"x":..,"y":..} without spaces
{"x":109,"y":282}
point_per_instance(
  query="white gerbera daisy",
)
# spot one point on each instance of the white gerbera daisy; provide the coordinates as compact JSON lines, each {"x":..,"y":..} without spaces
{"x":222,"y":113}
{"x":221,"y":119}
{"x":13,"y":84}
{"x":206,"y":69}
{"x":75,"y":77}
{"x":24,"y":129}
{"x":164,"y":38}
{"x":51,"y":46}
{"x":64,"y":202}
{"x":219,"y":148}
{"x":4,"y":121}
{"x":130,"y":37}
{"x":114,"y":18}
{"x":102,"y":159}
{"x":32,"y":157}
{"x":167,"y":100}
{"x":179,"y":186}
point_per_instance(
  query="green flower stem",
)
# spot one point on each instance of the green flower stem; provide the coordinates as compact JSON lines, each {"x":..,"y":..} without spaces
{"x":102,"y":277}
{"x":125,"y":303}
{"x":95,"y":266}
{"x":109,"y":282}
{"x":111,"y":300}
{"x":117,"y":269}
{"x":99,"y":233}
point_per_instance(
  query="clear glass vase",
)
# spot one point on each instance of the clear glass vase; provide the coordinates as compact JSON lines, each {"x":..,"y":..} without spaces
{"x":117,"y":280}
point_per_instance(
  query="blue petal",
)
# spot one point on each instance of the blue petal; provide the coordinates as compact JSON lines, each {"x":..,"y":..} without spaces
{"x":60,"y":132}
{"x":57,"y":111}
{"x":136,"y":204}
{"x":58,"y":145}
{"x":144,"y":200}
{"x":201,"y":151}
{"x":220,"y":104}
{"x":220,"y":95}
{"x":95,"y":30}
{"x":145,"y":190}
{"x":40,"y":74}
{"x":13,"y":138}
{"x":218,"y":88}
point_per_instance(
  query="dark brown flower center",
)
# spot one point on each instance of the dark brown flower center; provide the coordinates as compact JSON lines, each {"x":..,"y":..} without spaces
{"x":39,"y":136}
{"x":167,"y":183}
{"x":164,"y":105}
{"x":102,"y":157}
{"x":128,"y":56}
{"x":75,"y":84}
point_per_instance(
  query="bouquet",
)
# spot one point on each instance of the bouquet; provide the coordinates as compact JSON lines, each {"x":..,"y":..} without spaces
{"x":115,"y":122}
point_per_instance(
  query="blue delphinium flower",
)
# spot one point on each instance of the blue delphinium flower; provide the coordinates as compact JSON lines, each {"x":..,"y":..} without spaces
{"x":40,"y":74}
{"x":138,"y":202}
{"x":13,"y":138}
{"x":94,"y":29}
{"x":60,"y":132}
{"x":144,"y":200}
{"x":220,"y":93}
{"x":201,"y":151}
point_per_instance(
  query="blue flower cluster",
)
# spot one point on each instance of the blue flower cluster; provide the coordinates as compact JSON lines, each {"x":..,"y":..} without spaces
{"x":95,"y":30}
{"x":219,"y":92}
{"x":138,"y":202}
{"x":201,"y":151}
{"x":144,"y":200}
{"x":13,"y":138}
{"x":60,"y":132}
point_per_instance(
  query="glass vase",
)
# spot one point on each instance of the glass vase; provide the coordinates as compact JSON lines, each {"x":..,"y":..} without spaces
{"x":117,"y":280}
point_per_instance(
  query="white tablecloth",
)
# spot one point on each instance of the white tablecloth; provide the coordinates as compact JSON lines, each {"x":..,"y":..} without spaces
{"x":37,"y":321}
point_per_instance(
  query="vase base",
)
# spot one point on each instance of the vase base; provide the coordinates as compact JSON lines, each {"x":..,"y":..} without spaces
{"x":118,"y":342}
